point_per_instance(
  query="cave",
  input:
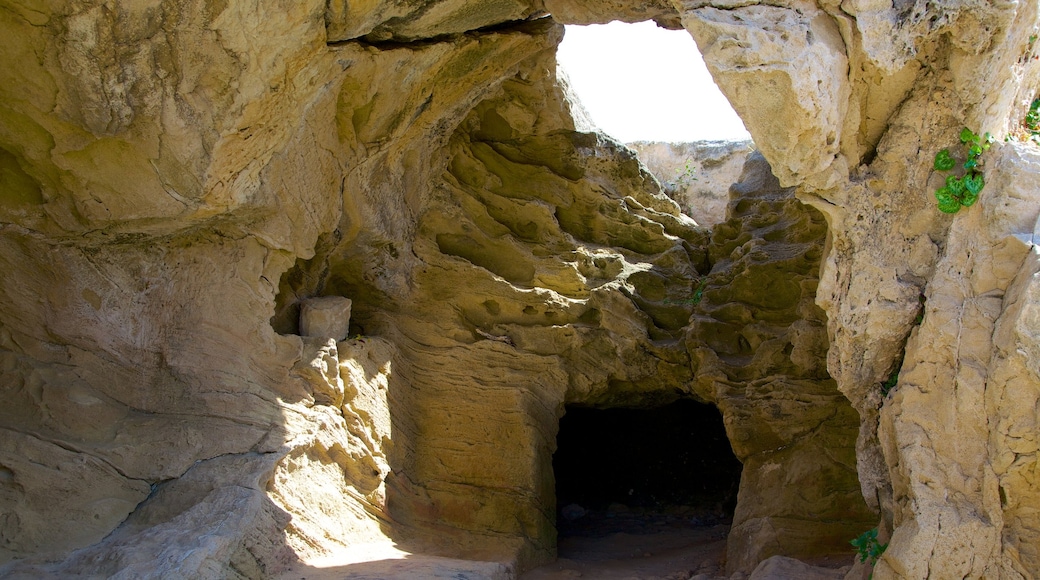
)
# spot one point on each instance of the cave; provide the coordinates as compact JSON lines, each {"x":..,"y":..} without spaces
{"x":176,"y":178}
{"x":637,"y":470}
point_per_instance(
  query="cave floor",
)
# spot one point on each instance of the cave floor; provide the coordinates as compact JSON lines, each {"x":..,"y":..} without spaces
{"x":604,"y":545}
{"x":386,"y":561}
{"x":630,"y":545}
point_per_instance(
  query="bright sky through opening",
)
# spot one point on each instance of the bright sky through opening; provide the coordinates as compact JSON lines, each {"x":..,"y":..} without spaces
{"x":640,"y":82}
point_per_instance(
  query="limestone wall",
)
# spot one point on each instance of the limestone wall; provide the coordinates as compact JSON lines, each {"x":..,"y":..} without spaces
{"x":175,"y":177}
{"x":697,"y":175}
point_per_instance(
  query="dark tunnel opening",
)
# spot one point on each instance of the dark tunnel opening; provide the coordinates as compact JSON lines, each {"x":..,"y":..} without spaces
{"x":638,"y":470}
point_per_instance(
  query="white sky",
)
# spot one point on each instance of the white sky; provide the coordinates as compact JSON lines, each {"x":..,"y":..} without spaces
{"x":644,"y":83}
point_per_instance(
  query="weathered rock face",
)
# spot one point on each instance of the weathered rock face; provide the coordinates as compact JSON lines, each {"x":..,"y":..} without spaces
{"x":696,"y":175}
{"x":758,"y":343}
{"x":547,"y":269}
{"x":967,"y":384}
{"x":175,"y":178}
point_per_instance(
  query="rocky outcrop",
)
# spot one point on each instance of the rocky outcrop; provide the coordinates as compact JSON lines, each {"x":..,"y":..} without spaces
{"x":696,"y":175}
{"x":967,"y":386}
{"x":547,"y":269}
{"x":757,"y":343}
{"x":944,"y":67}
{"x":178,"y":178}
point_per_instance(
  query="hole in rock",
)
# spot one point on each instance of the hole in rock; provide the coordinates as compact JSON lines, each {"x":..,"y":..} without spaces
{"x":640,"y":82}
{"x":643,"y":470}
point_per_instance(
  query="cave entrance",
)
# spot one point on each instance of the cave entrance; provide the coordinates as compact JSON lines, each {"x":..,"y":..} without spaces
{"x":638,"y":471}
{"x":642,"y":82}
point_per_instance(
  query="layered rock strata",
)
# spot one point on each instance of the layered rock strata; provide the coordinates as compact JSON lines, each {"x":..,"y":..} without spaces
{"x":178,"y":177}
{"x":546,"y":268}
{"x":758,"y":347}
{"x":697,"y":175}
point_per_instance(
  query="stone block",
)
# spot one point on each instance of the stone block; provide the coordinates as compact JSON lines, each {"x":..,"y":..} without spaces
{"x":325,"y":317}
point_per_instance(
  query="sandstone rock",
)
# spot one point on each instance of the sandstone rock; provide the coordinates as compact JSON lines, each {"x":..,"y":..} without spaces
{"x":319,"y":368}
{"x":213,"y":521}
{"x":497,"y":306}
{"x":405,"y":21}
{"x":757,"y":344}
{"x":782,"y":568}
{"x":696,"y":175}
{"x":176,"y":177}
{"x":327,"y":317}
{"x":599,"y":12}
{"x":933,"y":385}
{"x":34,"y":473}
{"x":781,"y":67}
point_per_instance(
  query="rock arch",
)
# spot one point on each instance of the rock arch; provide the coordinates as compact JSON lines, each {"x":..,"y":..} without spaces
{"x":164,"y":169}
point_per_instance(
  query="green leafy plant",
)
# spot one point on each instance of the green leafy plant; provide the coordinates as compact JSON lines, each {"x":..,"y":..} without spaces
{"x":962,"y":190}
{"x":684,"y":177}
{"x":693,"y":300}
{"x":698,"y":294}
{"x":890,"y":383}
{"x":868,"y":547}
{"x":1032,"y":121}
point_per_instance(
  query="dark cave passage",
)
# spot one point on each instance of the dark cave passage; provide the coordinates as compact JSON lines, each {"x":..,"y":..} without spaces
{"x":634,"y":470}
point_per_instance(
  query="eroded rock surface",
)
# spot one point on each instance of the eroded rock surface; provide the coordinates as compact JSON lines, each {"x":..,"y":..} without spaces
{"x":697,"y":175}
{"x":178,"y":177}
{"x":549,"y":269}
{"x":758,"y":343}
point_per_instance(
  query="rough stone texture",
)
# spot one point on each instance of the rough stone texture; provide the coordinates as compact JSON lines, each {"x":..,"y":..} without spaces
{"x":403,"y":21}
{"x":548,"y":269}
{"x":328,"y":316}
{"x":915,"y":81}
{"x":696,"y":175}
{"x":150,"y":230}
{"x":783,"y":568}
{"x":757,"y":343}
{"x":34,"y":472}
{"x":601,"y":12}
{"x":178,"y":176}
{"x":968,"y":382}
{"x":214,"y":521}
{"x":332,"y":480}
{"x":785,"y":70}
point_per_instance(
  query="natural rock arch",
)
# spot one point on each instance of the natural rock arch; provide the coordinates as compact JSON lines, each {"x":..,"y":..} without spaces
{"x":163,"y":170}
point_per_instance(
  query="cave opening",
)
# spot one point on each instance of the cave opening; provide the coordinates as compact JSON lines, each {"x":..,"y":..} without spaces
{"x":637,"y":81}
{"x":643,"y":470}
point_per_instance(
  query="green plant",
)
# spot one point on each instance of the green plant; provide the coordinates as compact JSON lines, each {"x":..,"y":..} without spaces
{"x":693,"y":300}
{"x":699,"y":292}
{"x":963,"y":190}
{"x":867,"y":546}
{"x":685,"y":176}
{"x":1032,"y":121}
{"x":890,"y":383}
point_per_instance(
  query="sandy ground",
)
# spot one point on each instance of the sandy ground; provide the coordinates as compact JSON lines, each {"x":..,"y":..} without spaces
{"x":672,"y":555}
{"x":679,"y":554}
{"x":616,"y":546}
{"x":386,"y":561}
{"x":623,"y":544}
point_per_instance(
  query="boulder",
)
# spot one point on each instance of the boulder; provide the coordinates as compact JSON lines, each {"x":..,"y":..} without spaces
{"x":325,"y":317}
